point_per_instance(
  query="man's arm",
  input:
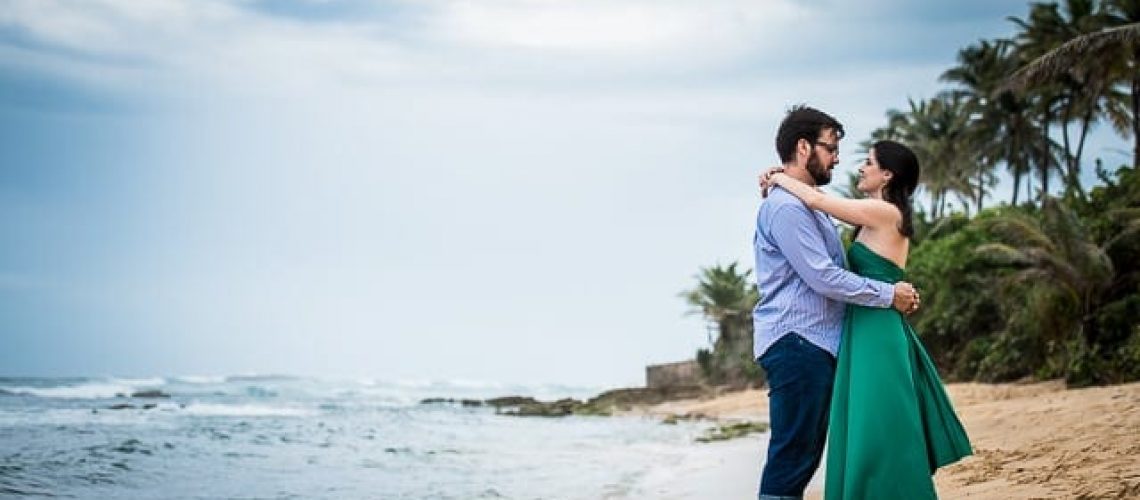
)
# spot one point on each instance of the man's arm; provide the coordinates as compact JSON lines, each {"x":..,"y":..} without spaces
{"x":801,"y":243}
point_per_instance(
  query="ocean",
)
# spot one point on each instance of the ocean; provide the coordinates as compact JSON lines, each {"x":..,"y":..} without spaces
{"x":290,"y":437}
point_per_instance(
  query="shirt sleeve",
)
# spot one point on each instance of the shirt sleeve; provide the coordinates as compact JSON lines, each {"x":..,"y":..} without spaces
{"x":798,"y":237}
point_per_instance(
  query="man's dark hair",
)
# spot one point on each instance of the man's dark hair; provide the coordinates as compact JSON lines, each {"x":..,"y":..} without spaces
{"x":803,"y":122}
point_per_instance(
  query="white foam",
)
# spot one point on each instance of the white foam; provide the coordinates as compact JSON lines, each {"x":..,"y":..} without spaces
{"x":139,"y":382}
{"x":200,"y":379}
{"x":91,"y":390}
{"x":221,"y":410}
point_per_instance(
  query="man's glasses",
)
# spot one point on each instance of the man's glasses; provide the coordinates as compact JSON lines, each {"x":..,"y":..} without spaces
{"x":831,"y":148}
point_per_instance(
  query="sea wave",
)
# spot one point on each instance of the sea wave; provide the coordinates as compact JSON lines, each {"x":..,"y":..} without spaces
{"x":90,"y":390}
{"x":262,"y":378}
{"x":139,"y":382}
{"x":199,"y":379}
{"x":224,"y":410}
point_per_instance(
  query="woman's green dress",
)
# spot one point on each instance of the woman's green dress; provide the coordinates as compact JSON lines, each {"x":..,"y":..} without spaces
{"x":891,"y":423}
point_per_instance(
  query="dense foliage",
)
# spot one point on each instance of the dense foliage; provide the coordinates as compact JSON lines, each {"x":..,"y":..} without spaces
{"x":1042,"y":292}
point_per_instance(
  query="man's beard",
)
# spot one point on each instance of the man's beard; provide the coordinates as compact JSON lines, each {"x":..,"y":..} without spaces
{"x":819,"y":173}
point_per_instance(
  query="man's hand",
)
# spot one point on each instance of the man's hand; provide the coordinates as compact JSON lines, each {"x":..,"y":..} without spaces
{"x":765,"y":177}
{"x":906,"y":298}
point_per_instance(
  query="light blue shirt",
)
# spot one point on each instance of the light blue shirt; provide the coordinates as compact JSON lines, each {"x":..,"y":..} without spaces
{"x":801,"y":276}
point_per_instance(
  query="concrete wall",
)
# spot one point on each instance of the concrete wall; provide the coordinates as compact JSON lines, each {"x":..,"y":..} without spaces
{"x":679,"y":374}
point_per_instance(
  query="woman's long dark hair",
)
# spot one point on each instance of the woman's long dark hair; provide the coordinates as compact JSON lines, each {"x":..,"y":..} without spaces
{"x":900,"y":161}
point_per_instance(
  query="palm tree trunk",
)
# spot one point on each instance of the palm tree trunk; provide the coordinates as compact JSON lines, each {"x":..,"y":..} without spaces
{"x":1045,"y":153}
{"x":1086,"y":123}
{"x":1136,"y":106}
{"x":981,"y":187}
{"x":1016,"y":183}
{"x":1066,"y":115}
{"x":1075,"y":172}
{"x":1029,"y":187}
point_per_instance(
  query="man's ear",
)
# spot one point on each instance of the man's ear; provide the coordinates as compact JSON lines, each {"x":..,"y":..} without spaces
{"x":803,"y":148}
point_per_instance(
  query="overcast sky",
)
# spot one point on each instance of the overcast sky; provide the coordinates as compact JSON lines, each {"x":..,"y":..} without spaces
{"x":491,"y":190}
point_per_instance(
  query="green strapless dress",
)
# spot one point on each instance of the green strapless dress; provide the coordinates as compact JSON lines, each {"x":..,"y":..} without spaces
{"x":892,"y":424}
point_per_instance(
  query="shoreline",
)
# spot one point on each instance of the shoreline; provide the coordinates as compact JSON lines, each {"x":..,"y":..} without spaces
{"x":1031,"y":440}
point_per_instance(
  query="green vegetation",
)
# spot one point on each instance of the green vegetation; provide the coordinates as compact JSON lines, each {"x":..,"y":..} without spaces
{"x":726,"y":297}
{"x":730,"y":431}
{"x":1045,"y":284}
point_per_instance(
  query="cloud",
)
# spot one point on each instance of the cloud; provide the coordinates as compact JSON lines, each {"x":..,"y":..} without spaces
{"x":604,"y":28}
{"x":243,"y":45}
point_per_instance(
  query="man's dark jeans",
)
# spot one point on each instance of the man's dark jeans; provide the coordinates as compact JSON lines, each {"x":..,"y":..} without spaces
{"x":800,"y":376}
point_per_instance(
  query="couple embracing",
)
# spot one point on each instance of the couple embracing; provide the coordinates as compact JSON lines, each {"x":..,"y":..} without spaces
{"x":839,"y":355}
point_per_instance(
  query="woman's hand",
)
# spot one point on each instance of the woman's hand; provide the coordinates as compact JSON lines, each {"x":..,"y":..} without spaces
{"x":766,"y":179}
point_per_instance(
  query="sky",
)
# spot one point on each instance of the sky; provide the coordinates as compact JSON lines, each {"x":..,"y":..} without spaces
{"x":499,"y":190}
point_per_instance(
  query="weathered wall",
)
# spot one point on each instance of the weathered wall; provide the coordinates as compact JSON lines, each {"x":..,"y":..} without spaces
{"x":684,"y":373}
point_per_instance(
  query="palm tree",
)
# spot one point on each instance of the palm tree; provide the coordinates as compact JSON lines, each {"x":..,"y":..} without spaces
{"x":1002,"y":126}
{"x":937,"y":130}
{"x":1123,"y":16}
{"x":1055,"y":257}
{"x":1122,"y":38}
{"x":1082,"y":93}
{"x":893,"y":131}
{"x":726,"y":296}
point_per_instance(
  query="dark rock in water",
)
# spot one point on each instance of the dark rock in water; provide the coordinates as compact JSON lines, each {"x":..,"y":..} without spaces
{"x":511,"y":401}
{"x":603,"y":404}
{"x":559,"y":408}
{"x":464,"y":402}
{"x":132,"y":446}
{"x":128,"y":406}
{"x":731,"y":431}
{"x":677,"y":417}
{"x":626,"y":398}
{"x":154,"y":393}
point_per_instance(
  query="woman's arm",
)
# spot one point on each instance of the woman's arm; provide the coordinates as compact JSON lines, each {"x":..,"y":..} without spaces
{"x":866,"y":212}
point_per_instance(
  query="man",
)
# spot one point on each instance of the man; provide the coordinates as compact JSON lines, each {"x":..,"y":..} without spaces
{"x":803,"y":288}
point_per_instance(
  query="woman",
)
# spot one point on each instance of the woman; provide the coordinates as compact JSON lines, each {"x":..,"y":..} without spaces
{"x":891,"y":424}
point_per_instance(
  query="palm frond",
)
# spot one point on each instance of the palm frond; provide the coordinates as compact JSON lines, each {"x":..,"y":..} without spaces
{"x":1050,"y":66}
{"x":1130,"y":234}
{"x":1002,"y":254}
{"x":1019,"y":230}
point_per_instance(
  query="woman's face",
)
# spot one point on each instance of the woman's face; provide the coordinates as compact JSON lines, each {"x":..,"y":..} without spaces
{"x":872,"y":178}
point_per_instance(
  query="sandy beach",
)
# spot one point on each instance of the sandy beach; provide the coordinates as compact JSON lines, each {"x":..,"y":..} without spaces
{"x":1037,"y":440}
